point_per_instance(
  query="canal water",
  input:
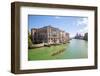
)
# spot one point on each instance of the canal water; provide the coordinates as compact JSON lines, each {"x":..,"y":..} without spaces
{"x":75,"y":49}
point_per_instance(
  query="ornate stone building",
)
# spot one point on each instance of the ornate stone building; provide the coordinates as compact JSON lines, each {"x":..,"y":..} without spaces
{"x":49,"y":35}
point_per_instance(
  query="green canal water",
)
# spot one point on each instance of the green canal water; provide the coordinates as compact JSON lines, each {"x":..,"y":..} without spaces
{"x":75,"y":49}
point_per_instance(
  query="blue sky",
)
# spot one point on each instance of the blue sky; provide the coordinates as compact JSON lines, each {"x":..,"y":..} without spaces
{"x":70,"y":24}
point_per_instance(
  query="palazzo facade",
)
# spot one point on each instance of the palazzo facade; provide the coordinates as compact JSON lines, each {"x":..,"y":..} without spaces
{"x":49,"y":35}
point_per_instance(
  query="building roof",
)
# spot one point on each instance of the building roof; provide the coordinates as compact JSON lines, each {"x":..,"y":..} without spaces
{"x":49,"y":26}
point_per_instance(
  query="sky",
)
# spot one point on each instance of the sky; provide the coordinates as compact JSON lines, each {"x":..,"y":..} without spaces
{"x":70,"y":24}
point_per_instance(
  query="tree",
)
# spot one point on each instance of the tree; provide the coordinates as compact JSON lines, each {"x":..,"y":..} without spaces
{"x":29,"y":41}
{"x":86,"y":37}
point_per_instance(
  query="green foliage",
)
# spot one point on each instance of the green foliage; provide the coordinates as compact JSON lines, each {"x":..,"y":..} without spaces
{"x":29,"y":41}
{"x":86,"y":36}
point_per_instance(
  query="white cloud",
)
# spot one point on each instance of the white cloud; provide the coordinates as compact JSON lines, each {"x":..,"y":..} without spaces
{"x":57,"y":17}
{"x":72,"y":35}
{"x":83,"y":30}
{"x":83,"y":21}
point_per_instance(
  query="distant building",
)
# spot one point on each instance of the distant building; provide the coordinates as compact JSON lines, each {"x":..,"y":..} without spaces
{"x":49,"y":34}
{"x":79,"y":36}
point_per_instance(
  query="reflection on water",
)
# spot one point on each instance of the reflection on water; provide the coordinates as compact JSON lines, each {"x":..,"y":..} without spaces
{"x":58,"y":52}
